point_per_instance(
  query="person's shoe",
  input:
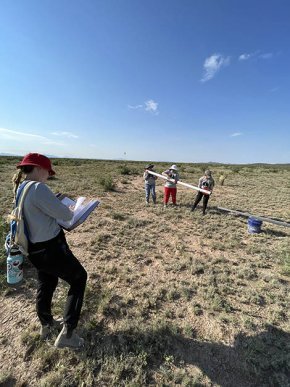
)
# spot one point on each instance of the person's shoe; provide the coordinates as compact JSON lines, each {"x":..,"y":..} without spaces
{"x":165,"y":206}
{"x":72,"y":341}
{"x":46,"y":330}
{"x":147,"y":203}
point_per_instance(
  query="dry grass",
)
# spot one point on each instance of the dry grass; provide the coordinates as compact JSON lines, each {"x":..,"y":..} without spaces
{"x":173,"y":297}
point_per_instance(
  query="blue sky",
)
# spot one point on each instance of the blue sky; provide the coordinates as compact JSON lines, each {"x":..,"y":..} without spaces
{"x":160,"y":80}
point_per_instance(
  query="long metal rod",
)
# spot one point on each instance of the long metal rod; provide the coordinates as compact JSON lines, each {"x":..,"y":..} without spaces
{"x":180,"y":182}
{"x":278,"y":222}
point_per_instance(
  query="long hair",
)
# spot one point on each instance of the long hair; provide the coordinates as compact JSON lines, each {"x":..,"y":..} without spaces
{"x":16,"y":179}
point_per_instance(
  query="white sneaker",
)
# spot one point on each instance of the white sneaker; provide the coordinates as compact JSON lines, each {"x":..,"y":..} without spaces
{"x":46,"y":330}
{"x":74,"y":341}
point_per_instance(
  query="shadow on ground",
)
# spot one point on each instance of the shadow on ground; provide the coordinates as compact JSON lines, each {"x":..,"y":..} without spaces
{"x":275,"y":233}
{"x":261,"y":360}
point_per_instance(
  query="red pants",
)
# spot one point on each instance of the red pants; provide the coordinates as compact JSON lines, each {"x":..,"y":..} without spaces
{"x":167,"y":192}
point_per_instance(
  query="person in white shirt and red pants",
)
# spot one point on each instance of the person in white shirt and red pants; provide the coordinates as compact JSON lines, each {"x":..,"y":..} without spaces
{"x":170,"y":186}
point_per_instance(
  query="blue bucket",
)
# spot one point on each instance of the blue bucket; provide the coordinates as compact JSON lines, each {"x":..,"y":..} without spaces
{"x":254,"y":225}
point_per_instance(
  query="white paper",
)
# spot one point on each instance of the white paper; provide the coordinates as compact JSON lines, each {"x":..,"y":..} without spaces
{"x":68,"y":202}
{"x":81,"y":211}
{"x":79,"y":203}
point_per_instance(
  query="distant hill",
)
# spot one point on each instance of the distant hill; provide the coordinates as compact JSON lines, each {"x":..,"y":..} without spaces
{"x":9,"y":154}
{"x":204,"y":164}
{"x":17,"y":155}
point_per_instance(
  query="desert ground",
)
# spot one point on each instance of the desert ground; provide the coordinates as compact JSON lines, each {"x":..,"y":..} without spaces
{"x":173,"y":297}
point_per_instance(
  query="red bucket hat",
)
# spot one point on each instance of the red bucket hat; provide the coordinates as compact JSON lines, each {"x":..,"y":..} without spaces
{"x":37,"y":160}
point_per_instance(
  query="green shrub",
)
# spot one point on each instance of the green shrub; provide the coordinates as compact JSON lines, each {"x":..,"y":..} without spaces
{"x":107,"y":183}
{"x":236,"y":169}
{"x":125,"y":170}
{"x":118,"y":216}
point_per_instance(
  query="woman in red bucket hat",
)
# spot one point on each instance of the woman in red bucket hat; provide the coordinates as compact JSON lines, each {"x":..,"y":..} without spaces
{"x":37,"y":160}
{"x":49,"y":251}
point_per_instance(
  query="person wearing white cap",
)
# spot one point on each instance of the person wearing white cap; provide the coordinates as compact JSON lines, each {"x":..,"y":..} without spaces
{"x":170,"y":186}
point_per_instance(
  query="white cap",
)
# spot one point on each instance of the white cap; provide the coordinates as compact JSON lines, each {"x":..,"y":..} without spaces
{"x":174,"y":167}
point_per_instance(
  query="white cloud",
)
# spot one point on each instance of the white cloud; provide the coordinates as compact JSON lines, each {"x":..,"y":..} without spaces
{"x":26,"y":137}
{"x":212,"y":65}
{"x":151,"y":106}
{"x":236,"y":134}
{"x":256,"y":54}
{"x":135,"y":107}
{"x":246,"y":56}
{"x":65,"y":134}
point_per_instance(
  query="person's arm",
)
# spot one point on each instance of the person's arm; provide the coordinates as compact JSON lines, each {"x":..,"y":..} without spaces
{"x":166,"y":173}
{"x":47,"y":202}
{"x":200,"y":182}
{"x":153,"y":176}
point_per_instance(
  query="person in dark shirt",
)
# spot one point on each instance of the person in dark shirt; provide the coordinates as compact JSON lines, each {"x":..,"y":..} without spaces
{"x":149,"y":184}
{"x":206,"y":182}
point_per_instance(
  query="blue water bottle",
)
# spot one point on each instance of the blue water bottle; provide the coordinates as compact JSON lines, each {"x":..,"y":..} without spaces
{"x":14,"y":266}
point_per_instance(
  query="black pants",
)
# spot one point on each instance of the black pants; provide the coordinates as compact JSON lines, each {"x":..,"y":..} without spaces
{"x":198,"y":199}
{"x":53,"y":259}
